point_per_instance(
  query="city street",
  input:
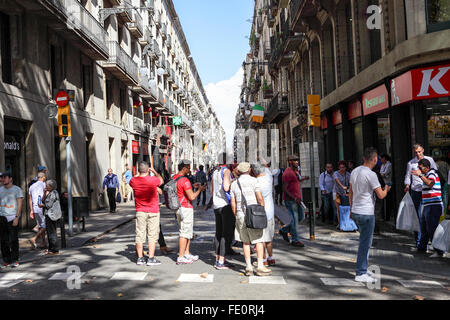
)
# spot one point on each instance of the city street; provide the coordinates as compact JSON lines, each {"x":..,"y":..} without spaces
{"x":324,"y":269}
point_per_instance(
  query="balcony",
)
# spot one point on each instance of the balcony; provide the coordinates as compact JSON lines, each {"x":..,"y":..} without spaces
{"x":278,"y":109}
{"x":76,"y":24}
{"x":138,"y":124}
{"x":176,"y":84}
{"x":151,"y":6}
{"x":169,"y":41}
{"x":274,"y":6}
{"x":171,"y":77}
{"x":267,"y":50}
{"x":155,"y":53}
{"x":135,"y":26}
{"x":157,"y":19}
{"x":121,"y":65}
{"x":143,"y":86}
{"x":259,"y":23}
{"x":146,"y":38}
{"x":125,"y":16}
{"x":163,"y":31}
{"x":271,"y":17}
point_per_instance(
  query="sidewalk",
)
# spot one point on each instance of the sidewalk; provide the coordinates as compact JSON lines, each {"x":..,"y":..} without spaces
{"x":97,"y":224}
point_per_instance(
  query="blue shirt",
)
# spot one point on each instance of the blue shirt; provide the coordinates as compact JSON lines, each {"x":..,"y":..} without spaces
{"x":326,"y":182}
{"x":128,"y":175}
{"x":111,"y":182}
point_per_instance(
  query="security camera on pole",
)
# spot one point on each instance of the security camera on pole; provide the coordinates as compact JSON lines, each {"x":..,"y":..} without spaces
{"x":62,"y":99}
{"x":313,"y":121}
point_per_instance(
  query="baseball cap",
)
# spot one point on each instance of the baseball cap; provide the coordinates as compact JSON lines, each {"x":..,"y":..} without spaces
{"x":243,"y":167}
{"x":185,"y":161}
{"x":5,"y":174}
{"x":293,"y":157}
{"x":41,"y":168}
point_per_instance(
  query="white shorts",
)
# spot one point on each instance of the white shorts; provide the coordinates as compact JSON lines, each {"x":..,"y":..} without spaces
{"x":40,"y":220}
{"x":185,"y":218}
{"x":269,"y":232}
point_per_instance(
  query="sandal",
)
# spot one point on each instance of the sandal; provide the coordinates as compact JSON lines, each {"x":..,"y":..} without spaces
{"x":33,"y":244}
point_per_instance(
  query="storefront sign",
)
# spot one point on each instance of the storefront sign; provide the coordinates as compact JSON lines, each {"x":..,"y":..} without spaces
{"x":337,"y":117}
{"x":354,"y":110}
{"x":420,"y":84}
{"x":375,"y":100}
{"x":430,"y":83}
{"x":324,"y":123}
{"x":15,"y":146}
{"x":135,"y":147}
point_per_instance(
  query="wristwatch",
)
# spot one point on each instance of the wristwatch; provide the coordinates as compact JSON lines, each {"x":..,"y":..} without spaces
{"x":421,"y":175}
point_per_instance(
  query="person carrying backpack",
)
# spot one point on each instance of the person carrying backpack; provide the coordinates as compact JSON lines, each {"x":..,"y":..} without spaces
{"x":185,"y":209}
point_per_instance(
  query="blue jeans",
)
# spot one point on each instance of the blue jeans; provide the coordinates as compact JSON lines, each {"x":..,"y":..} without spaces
{"x":297,"y":216}
{"x":428,"y":223}
{"x":327,"y":200}
{"x":366,"y":225}
{"x":417,"y":199}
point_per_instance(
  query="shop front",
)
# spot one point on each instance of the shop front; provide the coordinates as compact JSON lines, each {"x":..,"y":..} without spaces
{"x":136,"y":155}
{"x":354,"y":114}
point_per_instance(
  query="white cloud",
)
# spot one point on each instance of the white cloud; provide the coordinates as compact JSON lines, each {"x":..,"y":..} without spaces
{"x":224,"y":97}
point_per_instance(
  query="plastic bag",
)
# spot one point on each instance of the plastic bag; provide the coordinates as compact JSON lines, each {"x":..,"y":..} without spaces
{"x":345,"y":222}
{"x":407,"y":218}
{"x":441,"y":238}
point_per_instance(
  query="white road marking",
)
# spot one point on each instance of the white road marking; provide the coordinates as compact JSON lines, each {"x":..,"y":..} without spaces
{"x":266,"y":280}
{"x":64,"y":276}
{"x":341,"y":282}
{"x":12,"y":276}
{"x":420,"y":284}
{"x":133,"y":276}
{"x":188,"y":277}
{"x":9,"y":283}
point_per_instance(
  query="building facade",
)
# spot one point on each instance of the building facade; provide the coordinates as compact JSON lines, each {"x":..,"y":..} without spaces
{"x":130,"y":68}
{"x":382,"y":69}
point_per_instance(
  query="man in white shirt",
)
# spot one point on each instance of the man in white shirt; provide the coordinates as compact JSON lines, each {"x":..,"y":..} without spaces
{"x":413,"y":184}
{"x":35,"y":195}
{"x":363,"y":183}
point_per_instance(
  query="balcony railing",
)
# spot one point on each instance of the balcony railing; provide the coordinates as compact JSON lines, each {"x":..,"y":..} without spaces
{"x":79,"y":18}
{"x":121,"y":64}
{"x":169,"y":41}
{"x":146,"y":38}
{"x":151,"y":6}
{"x":164,"y":31}
{"x":278,"y":108}
{"x":136,"y":26}
{"x":294,"y":7}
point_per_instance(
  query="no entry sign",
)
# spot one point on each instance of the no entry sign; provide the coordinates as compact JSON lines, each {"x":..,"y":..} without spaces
{"x":62,"y":98}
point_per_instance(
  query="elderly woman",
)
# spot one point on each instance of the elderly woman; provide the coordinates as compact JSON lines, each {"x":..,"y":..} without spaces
{"x":341,"y":188}
{"x":51,"y":201}
{"x":265,"y":184}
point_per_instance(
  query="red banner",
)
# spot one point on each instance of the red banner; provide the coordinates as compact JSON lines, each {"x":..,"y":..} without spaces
{"x":324,"y":123}
{"x":135,"y":147}
{"x":354,"y":110}
{"x":401,"y":89}
{"x":337,"y":117}
{"x":375,"y":100}
{"x":432,"y":82}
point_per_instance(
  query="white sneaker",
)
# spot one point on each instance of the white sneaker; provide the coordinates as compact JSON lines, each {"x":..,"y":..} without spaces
{"x":365,"y":278}
{"x":184,"y":260}
{"x":191,"y":257}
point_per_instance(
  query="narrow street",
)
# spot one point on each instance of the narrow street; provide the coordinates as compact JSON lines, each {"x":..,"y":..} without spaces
{"x":323,"y":270}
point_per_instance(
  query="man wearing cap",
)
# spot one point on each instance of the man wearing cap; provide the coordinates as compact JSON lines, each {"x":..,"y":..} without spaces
{"x":11,"y":200}
{"x":111,"y":184}
{"x":35,"y":195}
{"x":292,"y":198}
{"x":185,"y":214}
{"x":246,"y":191}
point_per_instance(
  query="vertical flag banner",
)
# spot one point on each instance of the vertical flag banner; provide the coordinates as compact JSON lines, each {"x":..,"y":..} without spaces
{"x":257,"y":113}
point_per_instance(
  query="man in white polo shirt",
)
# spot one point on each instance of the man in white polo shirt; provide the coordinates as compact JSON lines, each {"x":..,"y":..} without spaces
{"x":363,"y":183}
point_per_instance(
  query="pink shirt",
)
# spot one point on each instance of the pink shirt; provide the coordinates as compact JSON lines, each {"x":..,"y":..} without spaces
{"x":292,"y":180}
{"x":146,"y":197}
{"x":182,"y":185}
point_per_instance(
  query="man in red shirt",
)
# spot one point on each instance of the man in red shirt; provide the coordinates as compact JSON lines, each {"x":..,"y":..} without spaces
{"x":147,"y":212}
{"x":292,"y":198}
{"x":185,"y":214}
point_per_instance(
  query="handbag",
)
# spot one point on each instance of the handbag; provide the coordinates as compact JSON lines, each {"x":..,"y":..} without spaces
{"x":118,"y":197}
{"x":255,"y":214}
{"x":54,"y":212}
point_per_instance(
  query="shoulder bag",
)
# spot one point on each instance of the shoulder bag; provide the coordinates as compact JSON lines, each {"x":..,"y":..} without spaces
{"x":255,"y":214}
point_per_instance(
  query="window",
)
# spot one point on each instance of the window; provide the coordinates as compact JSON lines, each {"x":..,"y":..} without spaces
{"x":349,"y":29}
{"x":5,"y":39}
{"x":438,"y":15}
{"x":87,"y":84}
{"x":109,"y":98}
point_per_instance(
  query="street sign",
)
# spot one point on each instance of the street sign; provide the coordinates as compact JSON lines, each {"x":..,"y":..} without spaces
{"x":62,"y":98}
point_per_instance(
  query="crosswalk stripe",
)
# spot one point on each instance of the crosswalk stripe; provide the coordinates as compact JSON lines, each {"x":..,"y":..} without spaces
{"x":341,"y":282}
{"x":420,"y":283}
{"x":188,"y":277}
{"x":9,"y":283}
{"x":266,"y":280}
{"x":12,"y":276}
{"x":133,"y":276}
{"x":64,"y":276}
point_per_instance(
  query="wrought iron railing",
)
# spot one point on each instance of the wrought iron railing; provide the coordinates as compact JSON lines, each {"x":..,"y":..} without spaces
{"x":79,"y":18}
{"x":279,"y":105}
{"x":136,"y":22}
{"x":118,"y":56}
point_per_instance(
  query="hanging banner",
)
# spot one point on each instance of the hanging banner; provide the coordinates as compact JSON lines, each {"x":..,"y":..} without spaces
{"x":337,"y":117}
{"x":354,"y":110}
{"x":135,"y":147}
{"x":257,"y":113}
{"x":375,"y":100}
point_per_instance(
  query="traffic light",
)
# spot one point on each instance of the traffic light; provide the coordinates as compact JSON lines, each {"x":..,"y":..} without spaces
{"x":313,"y":110}
{"x":64,"y":121}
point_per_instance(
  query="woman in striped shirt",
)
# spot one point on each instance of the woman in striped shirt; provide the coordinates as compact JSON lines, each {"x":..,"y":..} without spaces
{"x":432,"y":205}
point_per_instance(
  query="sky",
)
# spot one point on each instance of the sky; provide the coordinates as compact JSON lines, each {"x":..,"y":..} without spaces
{"x":216,"y":32}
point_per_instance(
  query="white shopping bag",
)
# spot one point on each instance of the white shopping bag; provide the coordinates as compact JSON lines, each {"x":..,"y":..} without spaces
{"x":441,"y":238}
{"x":407,"y":215}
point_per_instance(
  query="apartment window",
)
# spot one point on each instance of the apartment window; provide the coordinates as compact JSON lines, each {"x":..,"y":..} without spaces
{"x":109,"y":98}
{"x":87,"y":84}
{"x":56,"y":66}
{"x":438,"y":15}
{"x":349,"y":29}
{"x":5,"y":47}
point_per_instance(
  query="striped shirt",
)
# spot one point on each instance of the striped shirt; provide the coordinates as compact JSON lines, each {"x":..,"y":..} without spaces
{"x":432,"y":196}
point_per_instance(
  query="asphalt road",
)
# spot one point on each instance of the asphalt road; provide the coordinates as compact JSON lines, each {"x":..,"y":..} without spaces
{"x":323,"y":270}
